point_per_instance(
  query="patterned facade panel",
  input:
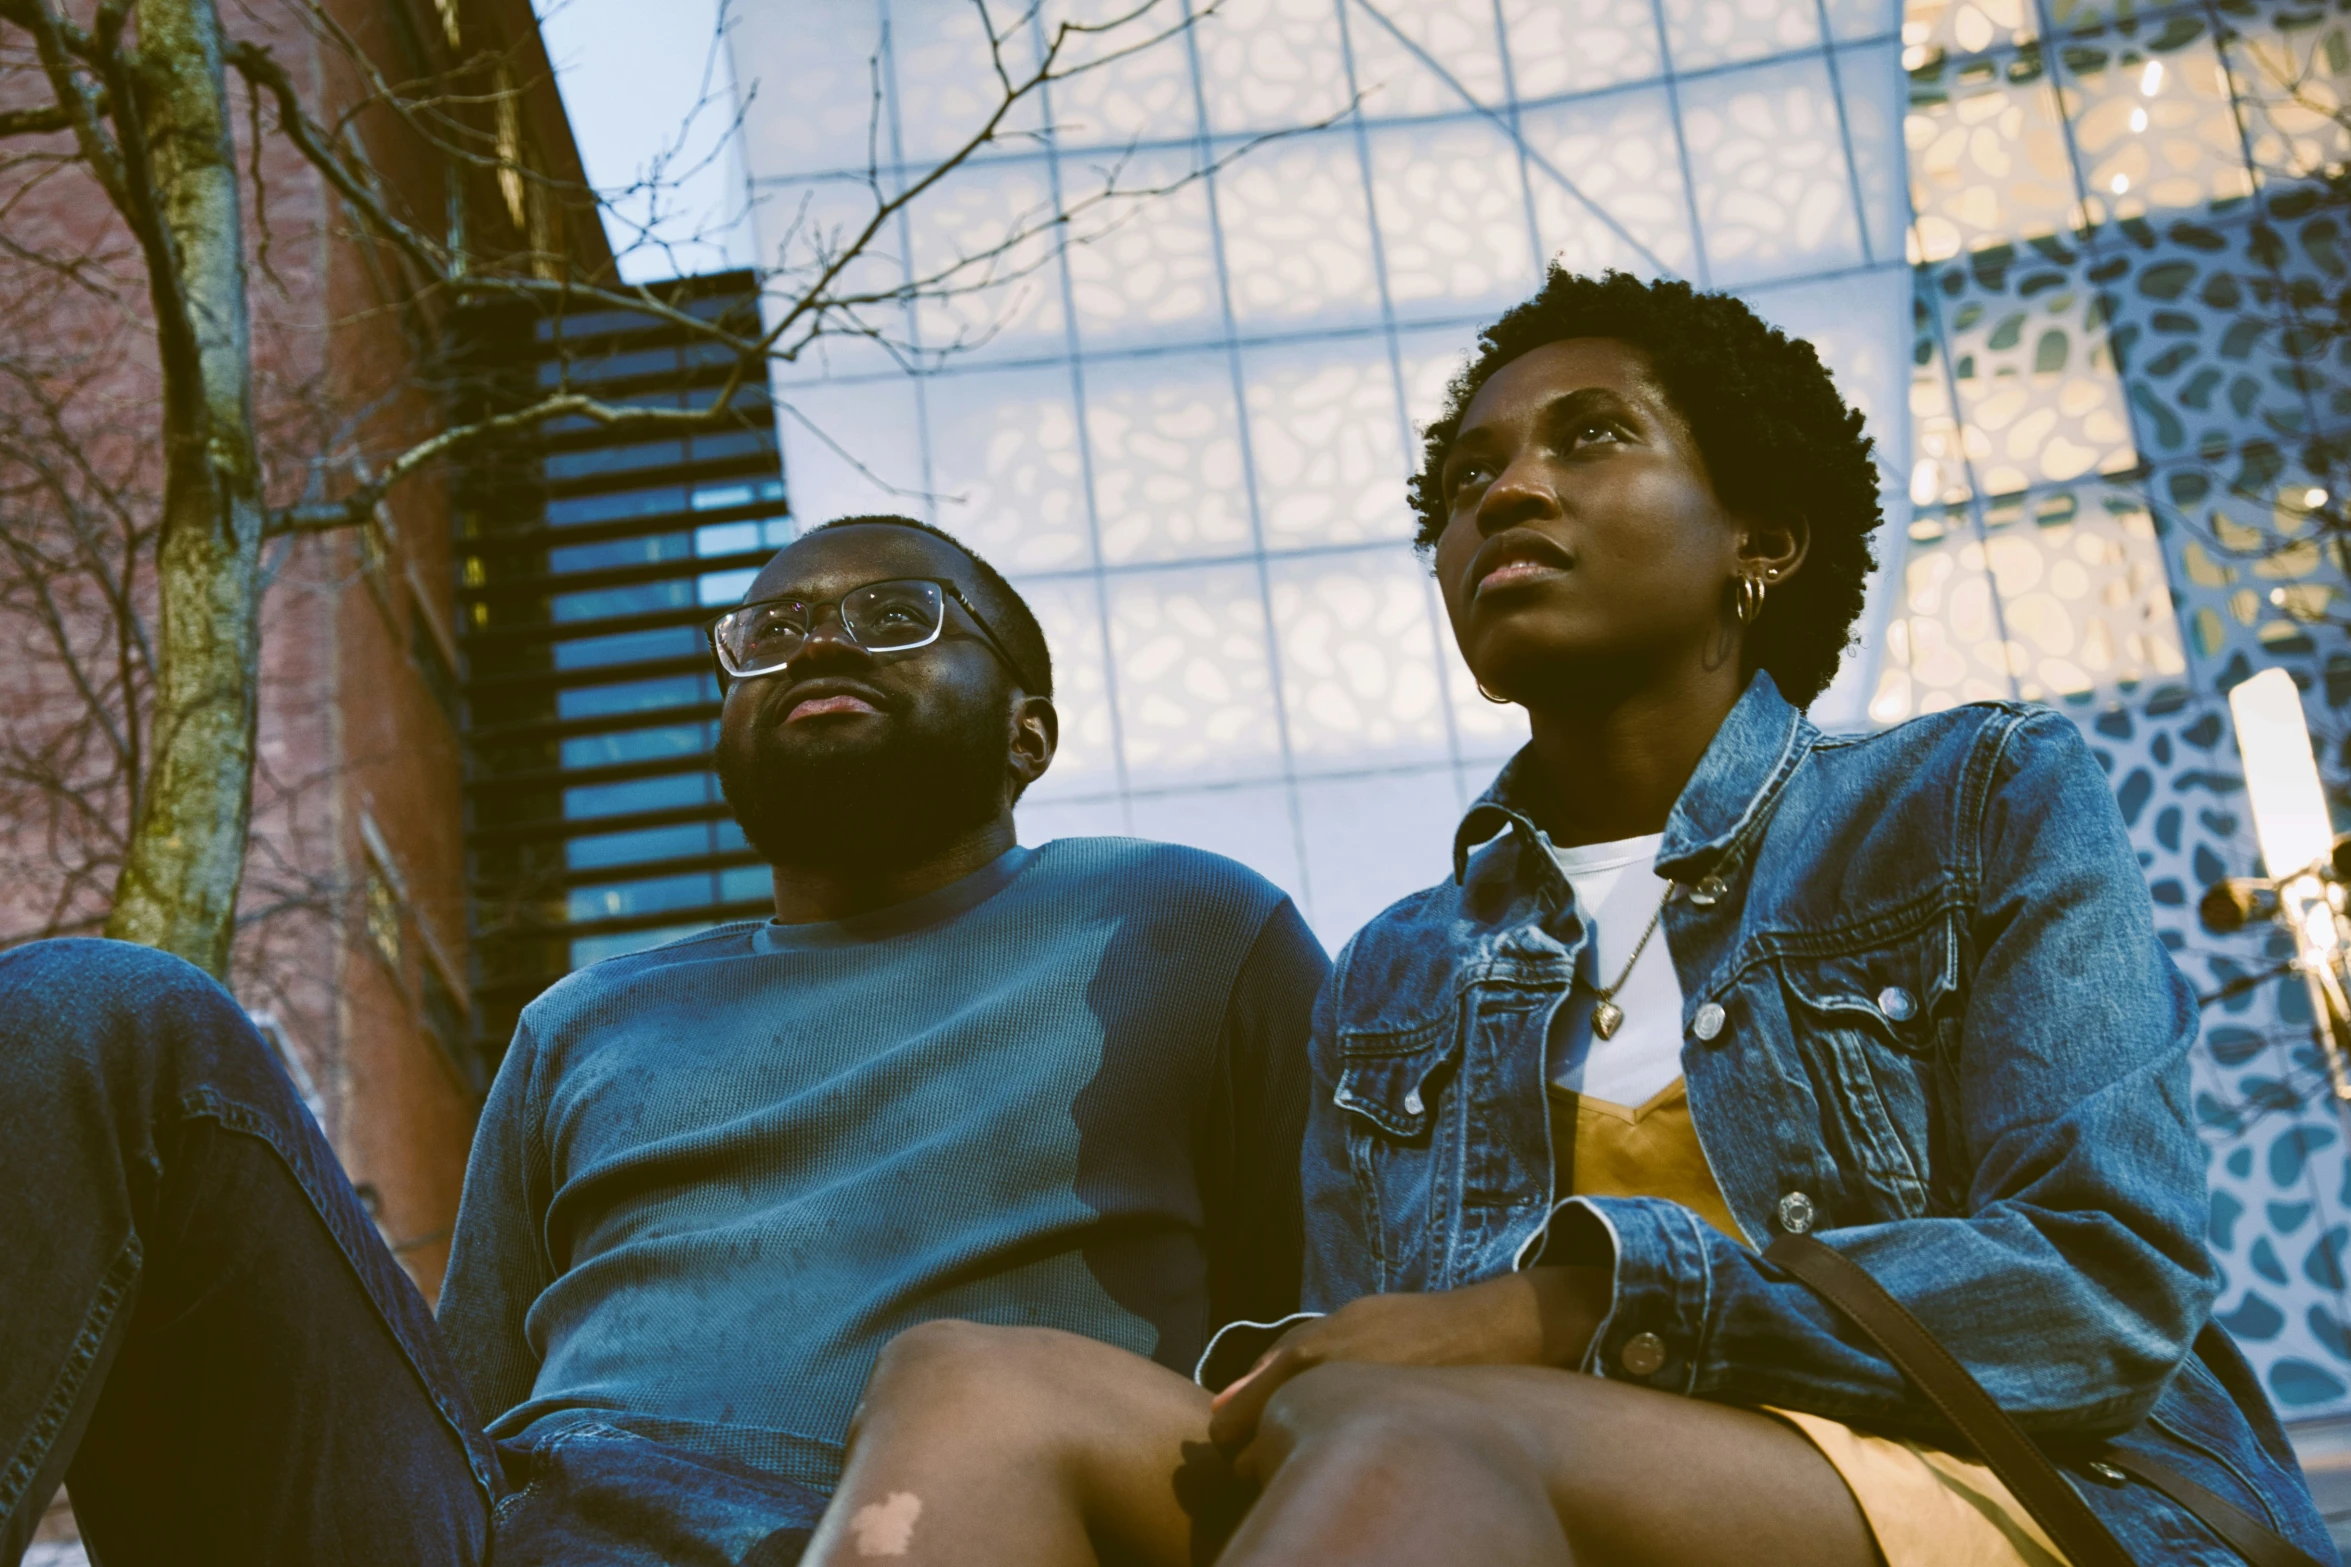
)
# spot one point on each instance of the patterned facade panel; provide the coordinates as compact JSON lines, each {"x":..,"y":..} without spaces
{"x":2055,"y":600}
{"x":2033,"y":384}
{"x":1195,"y":687}
{"x":1359,"y":684}
{"x":2154,"y":123}
{"x":1164,"y":438}
{"x":1606,"y":180}
{"x":1296,"y":225}
{"x":1775,"y":192}
{"x":1149,"y":273}
{"x":1934,"y":28}
{"x":1428,"y":58}
{"x":1704,"y":33}
{"x":2113,"y":402}
{"x":1451,"y":204}
{"x":1988,"y":157}
{"x":1558,"y":47}
{"x":2257,"y":584}
{"x":1275,"y":65}
{"x":2197,"y":325}
{"x":2292,"y":78}
{"x":2280,"y":1207}
{"x":1012,"y":440}
{"x":986,"y":259}
{"x":1327,"y":442}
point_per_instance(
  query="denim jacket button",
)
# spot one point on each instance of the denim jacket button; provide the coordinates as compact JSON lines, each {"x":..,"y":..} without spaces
{"x":1708,"y":891}
{"x":1708,"y":1021}
{"x":1412,"y":1102}
{"x":2108,"y":1473}
{"x":1643,"y":1355}
{"x":1796,"y":1213}
{"x":1896,"y":1003}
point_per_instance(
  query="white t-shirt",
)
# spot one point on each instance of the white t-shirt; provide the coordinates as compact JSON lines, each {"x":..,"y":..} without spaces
{"x":1617,"y":890}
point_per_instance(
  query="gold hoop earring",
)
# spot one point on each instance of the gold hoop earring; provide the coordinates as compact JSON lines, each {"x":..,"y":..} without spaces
{"x":1750,"y":606}
{"x":1498,"y":701}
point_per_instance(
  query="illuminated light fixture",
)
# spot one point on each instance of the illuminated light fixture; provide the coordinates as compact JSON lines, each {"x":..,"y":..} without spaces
{"x":2314,"y":498}
{"x":2122,"y":182}
{"x":2138,"y":119}
{"x":2281,"y":776}
{"x":2151,"y":79}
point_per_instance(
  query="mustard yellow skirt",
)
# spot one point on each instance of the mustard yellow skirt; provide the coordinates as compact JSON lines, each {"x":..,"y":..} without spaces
{"x":1928,"y":1508}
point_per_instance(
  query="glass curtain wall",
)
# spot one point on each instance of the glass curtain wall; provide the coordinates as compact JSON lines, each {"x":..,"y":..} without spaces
{"x":1186,"y":436}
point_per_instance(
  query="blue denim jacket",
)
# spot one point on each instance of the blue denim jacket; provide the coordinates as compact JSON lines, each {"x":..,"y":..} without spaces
{"x":1926,"y":1019}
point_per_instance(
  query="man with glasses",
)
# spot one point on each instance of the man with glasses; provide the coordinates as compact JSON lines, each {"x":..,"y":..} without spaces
{"x":952,"y":1078}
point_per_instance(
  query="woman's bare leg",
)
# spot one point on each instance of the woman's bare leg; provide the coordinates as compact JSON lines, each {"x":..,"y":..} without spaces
{"x":1367,"y":1466}
{"x":1025,"y":1447}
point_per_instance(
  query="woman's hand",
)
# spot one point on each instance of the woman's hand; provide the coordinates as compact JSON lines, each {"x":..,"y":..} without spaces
{"x":1542,"y":1317}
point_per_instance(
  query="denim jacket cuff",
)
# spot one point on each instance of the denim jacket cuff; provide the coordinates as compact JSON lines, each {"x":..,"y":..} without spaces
{"x":1662,"y":1286}
{"x":1237,"y":1345}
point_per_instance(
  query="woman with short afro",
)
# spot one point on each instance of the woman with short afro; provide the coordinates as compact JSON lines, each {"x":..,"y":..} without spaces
{"x":1703,"y":978}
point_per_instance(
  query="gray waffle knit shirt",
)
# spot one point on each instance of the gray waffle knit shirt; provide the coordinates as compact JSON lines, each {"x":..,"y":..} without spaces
{"x":714,"y":1178}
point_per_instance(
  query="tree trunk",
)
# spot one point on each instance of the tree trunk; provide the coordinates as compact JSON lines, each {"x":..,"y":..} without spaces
{"x":178,"y":889}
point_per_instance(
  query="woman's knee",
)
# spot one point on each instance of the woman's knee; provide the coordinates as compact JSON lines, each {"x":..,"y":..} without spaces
{"x":1380,"y":1417}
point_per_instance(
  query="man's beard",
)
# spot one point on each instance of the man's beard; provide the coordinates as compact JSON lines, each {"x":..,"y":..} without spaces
{"x":882,"y":803}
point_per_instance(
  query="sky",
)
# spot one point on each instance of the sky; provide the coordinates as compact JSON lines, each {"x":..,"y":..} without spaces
{"x":632,"y":75}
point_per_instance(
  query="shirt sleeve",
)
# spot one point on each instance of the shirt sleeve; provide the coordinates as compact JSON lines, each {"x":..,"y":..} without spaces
{"x":2076,"y":1279}
{"x":498,"y":1262}
{"x":1250,"y":1177}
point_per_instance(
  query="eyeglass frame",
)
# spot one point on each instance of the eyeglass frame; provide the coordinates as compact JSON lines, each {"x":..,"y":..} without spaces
{"x":947,"y":590}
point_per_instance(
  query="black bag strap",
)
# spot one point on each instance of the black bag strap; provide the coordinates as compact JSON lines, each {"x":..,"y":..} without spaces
{"x":2003,"y":1446}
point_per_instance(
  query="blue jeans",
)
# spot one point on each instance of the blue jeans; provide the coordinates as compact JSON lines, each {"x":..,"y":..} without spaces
{"x":203,"y":1335}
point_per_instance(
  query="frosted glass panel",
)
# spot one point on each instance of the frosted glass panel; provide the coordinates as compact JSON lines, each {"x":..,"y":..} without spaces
{"x":1297,"y":234}
{"x":1721,"y":32}
{"x":1358,"y":680}
{"x":1272,"y":64}
{"x":1166,"y":443}
{"x":1774,"y":191}
{"x":1607,"y":184}
{"x":1195,"y":683}
{"x":1329,"y":443}
{"x":1010,"y":439}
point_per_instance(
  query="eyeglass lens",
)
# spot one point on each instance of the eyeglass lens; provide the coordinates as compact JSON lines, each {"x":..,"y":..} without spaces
{"x":881,"y":617}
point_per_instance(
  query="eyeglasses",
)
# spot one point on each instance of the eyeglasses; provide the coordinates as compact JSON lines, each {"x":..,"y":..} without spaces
{"x":896,"y":616}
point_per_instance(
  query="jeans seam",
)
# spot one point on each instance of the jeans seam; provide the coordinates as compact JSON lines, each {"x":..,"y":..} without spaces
{"x":114,"y":1287}
{"x":245,"y":1120}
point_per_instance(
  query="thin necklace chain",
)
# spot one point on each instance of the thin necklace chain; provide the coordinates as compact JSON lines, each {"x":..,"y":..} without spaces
{"x":1609,"y":994}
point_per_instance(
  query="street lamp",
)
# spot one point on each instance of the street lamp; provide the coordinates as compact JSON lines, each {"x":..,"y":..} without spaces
{"x":2304,"y":888}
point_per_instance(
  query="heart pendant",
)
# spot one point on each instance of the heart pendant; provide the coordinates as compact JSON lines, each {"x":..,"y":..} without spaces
{"x":1605,"y":1017}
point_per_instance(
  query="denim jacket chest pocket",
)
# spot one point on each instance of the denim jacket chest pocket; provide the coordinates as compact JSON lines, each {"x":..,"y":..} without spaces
{"x":1869,"y":1029}
{"x":1395,"y":1087}
{"x":1443,"y":1192}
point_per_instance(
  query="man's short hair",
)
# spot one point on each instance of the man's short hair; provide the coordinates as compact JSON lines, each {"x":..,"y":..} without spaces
{"x":1009,"y":615}
{"x":1777,"y":438}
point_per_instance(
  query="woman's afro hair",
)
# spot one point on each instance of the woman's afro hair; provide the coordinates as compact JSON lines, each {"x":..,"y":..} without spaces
{"x":1777,"y":439}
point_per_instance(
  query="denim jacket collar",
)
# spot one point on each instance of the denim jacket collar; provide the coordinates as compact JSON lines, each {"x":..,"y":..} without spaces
{"x":1760,"y":742}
